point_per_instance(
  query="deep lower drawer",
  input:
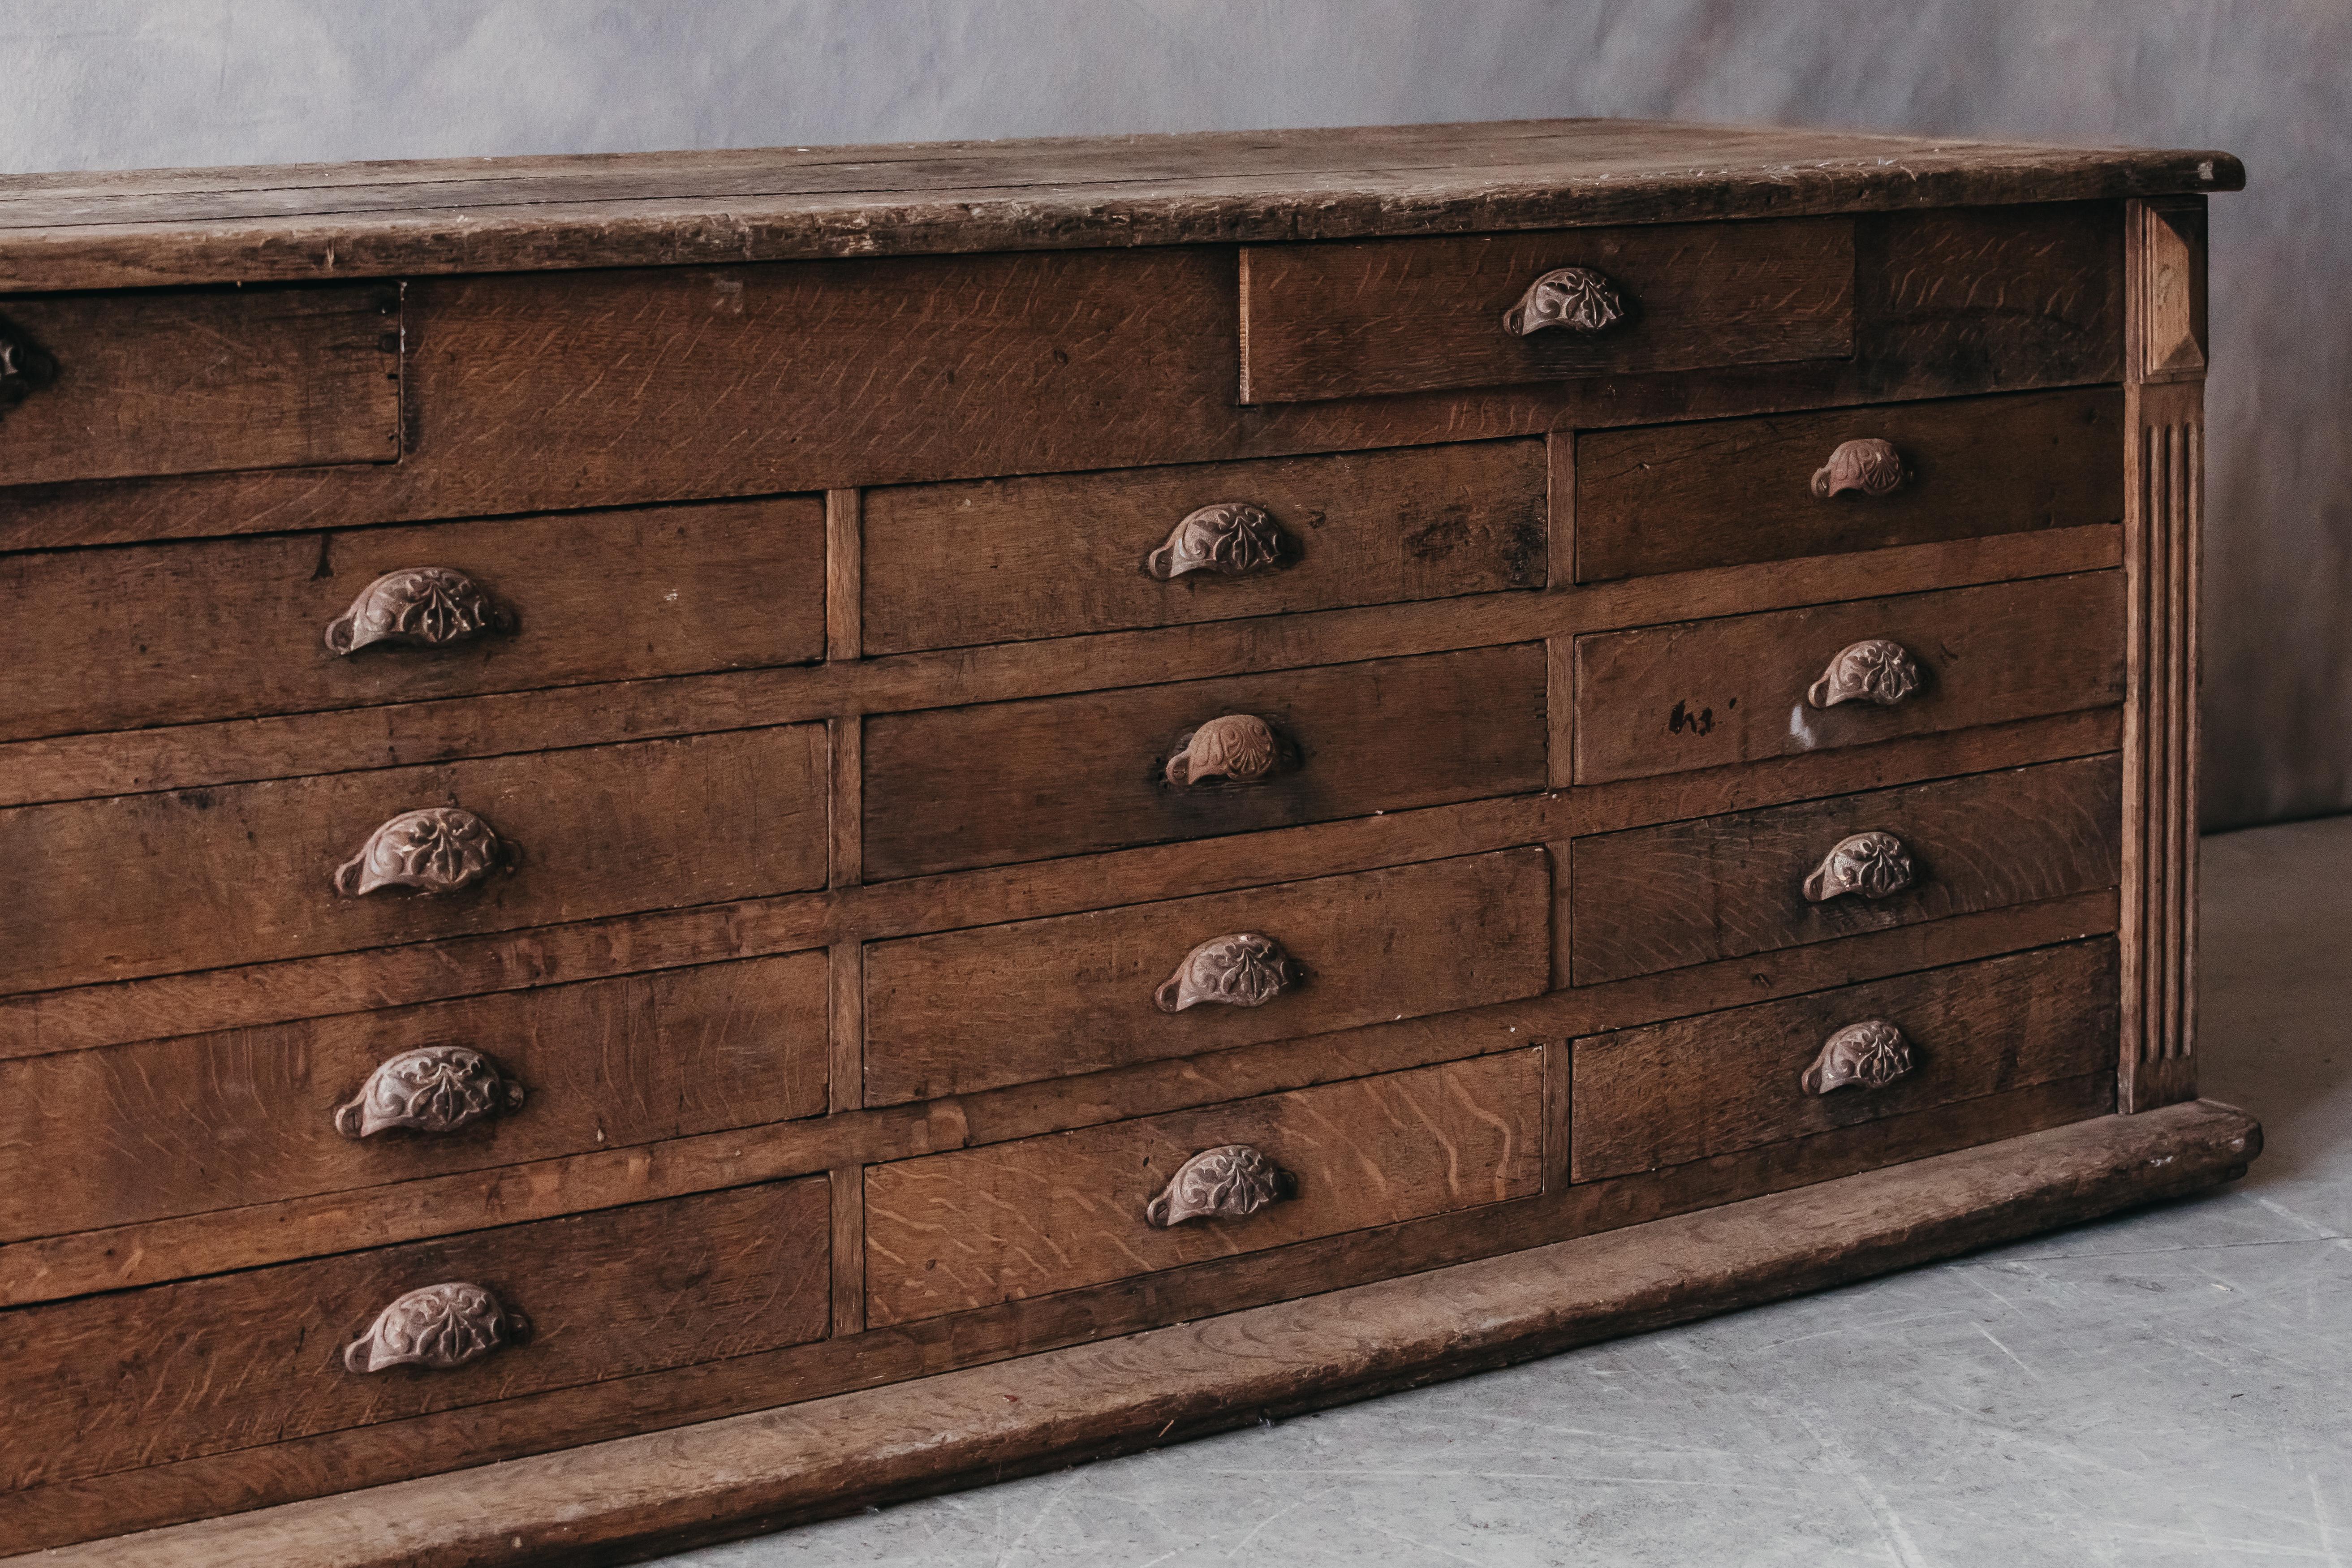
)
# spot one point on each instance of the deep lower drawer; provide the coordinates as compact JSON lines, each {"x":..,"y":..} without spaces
{"x":978,"y":1227}
{"x":1704,"y":694}
{"x":967,"y":1010}
{"x":952,"y":788}
{"x":1009,"y":560}
{"x":195,"y":878}
{"x":172,"y":634}
{"x":1724,"y":492}
{"x":90,"y":1139}
{"x":1672,"y":1093}
{"x":1651,"y":899}
{"x":146,"y":1377}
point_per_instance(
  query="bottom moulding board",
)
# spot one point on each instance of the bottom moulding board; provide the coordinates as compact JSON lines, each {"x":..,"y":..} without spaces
{"x":634,"y":1497}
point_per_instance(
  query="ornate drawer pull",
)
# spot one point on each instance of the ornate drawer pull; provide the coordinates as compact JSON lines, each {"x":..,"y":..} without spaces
{"x":438,"y":1088}
{"x":1227,"y":1182}
{"x":25,"y":368}
{"x":1575,"y":297}
{"x":1870,"y":865}
{"x":1230,"y":539}
{"x":1871,"y":466}
{"x":423,"y":607}
{"x":1238,"y":746}
{"x":1247,"y":969}
{"x":439,"y":849}
{"x":1874,"y":670}
{"x":439,"y":1327}
{"x":1871,"y":1054}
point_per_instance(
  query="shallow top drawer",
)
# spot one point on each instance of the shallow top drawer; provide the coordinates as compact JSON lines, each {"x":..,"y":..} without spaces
{"x":1368,"y":317}
{"x":123,"y":385}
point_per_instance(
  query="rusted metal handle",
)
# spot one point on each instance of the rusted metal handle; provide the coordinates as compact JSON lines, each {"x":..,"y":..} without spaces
{"x":1871,"y":1054}
{"x":435,"y":850}
{"x":1239,"y":748}
{"x":420,"y":606}
{"x":1247,"y":969}
{"x":1874,"y":670}
{"x":1228,"y":1181}
{"x":437,"y":1088}
{"x":1574,"y":299}
{"x":1869,"y":467}
{"x":1227,"y":539}
{"x":1867,"y":865}
{"x":439,"y":1328}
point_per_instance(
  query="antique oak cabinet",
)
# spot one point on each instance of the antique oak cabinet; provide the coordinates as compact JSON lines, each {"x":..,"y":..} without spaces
{"x":694,"y":840}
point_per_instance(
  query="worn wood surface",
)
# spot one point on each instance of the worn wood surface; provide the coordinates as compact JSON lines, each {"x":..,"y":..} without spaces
{"x":1008,"y":560}
{"x":1654,"y":899}
{"x":94,"y":1139}
{"x":1705,"y":693}
{"x":118,"y":1012}
{"x":1676,"y":1092}
{"x":178,"y":634}
{"x":157,"y":883}
{"x":108,"y":230}
{"x":795,"y":369}
{"x":210,"y":1366}
{"x":117,"y":1257}
{"x":966,"y":1010}
{"x":184,"y":383}
{"x":955,"y":788}
{"x":623,"y":1499}
{"x":1372,"y":317}
{"x":1676,"y":498}
{"x":952,"y":1232}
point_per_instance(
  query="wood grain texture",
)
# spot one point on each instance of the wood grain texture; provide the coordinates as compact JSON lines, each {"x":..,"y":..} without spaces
{"x":955,"y":788}
{"x":112,"y":231}
{"x":1672,"y":1093}
{"x":1705,"y":693}
{"x":1658,"y":897}
{"x":2164,"y":534}
{"x":184,"y":383}
{"x":178,"y":634}
{"x":183,"y":1126}
{"x":120,"y":1012}
{"x":796,"y":371}
{"x":123,"y":1256}
{"x":210,"y":1366}
{"x":952,"y":1232}
{"x":967,"y":1010}
{"x":156,"y":883}
{"x":759,"y":1472}
{"x":1007,"y":560}
{"x":1373,"y":317}
{"x":1677,"y":498}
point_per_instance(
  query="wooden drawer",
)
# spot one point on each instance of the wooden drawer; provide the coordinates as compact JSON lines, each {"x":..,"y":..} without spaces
{"x":191,"y":382}
{"x":1651,"y":899}
{"x":977,"y":1227}
{"x":251,"y":1116}
{"x":1007,"y":560}
{"x":1672,"y":1093}
{"x":1675,"y":498}
{"x":1364,"y":317}
{"x":967,"y":1010}
{"x":101,"y":639}
{"x":195,"y":878}
{"x":1005,"y":782}
{"x":1711,"y":693}
{"x":147,"y":1377}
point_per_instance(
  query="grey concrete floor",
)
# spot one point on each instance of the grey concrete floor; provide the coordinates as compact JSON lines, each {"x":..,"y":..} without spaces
{"x":2170,"y":1387}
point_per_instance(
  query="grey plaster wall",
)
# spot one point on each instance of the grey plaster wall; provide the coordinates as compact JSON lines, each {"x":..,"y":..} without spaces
{"x":127,"y":83}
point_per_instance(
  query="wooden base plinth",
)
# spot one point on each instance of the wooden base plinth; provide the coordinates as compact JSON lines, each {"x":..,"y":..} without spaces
{"x":637,"y":1497}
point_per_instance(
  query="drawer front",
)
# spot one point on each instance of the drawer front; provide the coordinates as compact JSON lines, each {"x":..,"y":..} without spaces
{"x":967,"y":1010}
{"x":1006,"y":559}
{"x":1652,"y":899}
{"x":1706,"y":694}
{"x":1676,"y":498}
{"x":254,"y":1116}
{"x":949,"y":1232}
{"x":1672,"y":1093}
{"x":1006,"y":781}
{"x":1365,"y":317}
{"x":186,"y":383}
{"x":102,"y":640}
{"x":197,"y":879}
{"x":147,"y":1377}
